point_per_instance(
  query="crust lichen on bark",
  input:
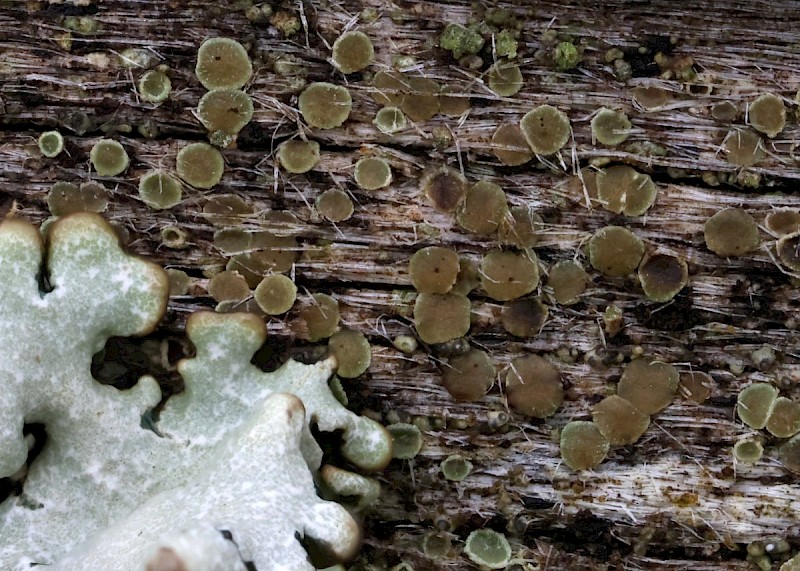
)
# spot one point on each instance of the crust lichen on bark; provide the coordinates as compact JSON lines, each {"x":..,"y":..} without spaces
{"x":684,"y":77}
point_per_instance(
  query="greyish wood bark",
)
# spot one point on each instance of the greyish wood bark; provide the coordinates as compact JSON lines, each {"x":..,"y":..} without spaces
{"x":678,"y":483}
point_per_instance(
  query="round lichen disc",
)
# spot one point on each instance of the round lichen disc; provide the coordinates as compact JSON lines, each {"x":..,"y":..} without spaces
{"x":200,"y":165}
{"x":755,"y":404}
{"x":388,"y":89}
{"x":227,"y":210}
{"x":610,"y":127}
{"x":696,"y":386}
{"x":154,"y":86}
{"x":445,"y":187}
{"x":510,"y":146}
{"x":789,"y":453}
{"x":650,"y":97}
{"x":320,"y":318}
{"x":505,"y":80}
{"x":225,"y":110}
{"x":452,"y":102}
{"x":352,"y":51}
{"x":568,"y":280}
{"x":533,"y":387}
{"x":768,"y":114}
{"x":108,"y":157}
{"x":456,"y":468}
{"x":619,"y":421}
{"x":223,"y":63}
{"x":65,"y":198}
{"x":421,"y":101}
{"x":509,"y":275}
{"x":372,"y":173}
{"x":621,"y":189}
{"x":583,"y":446}
{"x":731,"y":232}
{"x":434,"y":269}
{"x":334,"y":205}
{"x":406,"y":440}
{"x":158,"y":190}
{"x":483,"y":209}
{"x":440,"y":318}
{"x":275,"y":294}
{"x":648,"y":385}
{"x":662,"y":276}
{"x":546,"y":129}
{"x":468,"y":377}
{"x":228,"y":286}
{"x":488,"y":548}
{"x":325,"y":105}
{"x":789,"y":251}
{"x":521,"y":227}
{"x":744,"y":148}
{"x":51,"y":143}
{"x":748,"y":450}
{"x":784,"y":420}
{"x":615,"y":251}
{"x":524,"y":317}
{"x":390,"y":120}
{"x":783,"y":222}
{"x":352,"y":351}
{"x":298,"y":156}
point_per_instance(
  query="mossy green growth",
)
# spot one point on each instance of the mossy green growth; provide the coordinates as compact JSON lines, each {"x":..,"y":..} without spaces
{"x":488,"y":548}
{"x":154,"y":86}
{"x":51,"y":143}
{"x":460,"y":40}
{"x":566,"y":56}
{"x":108,"y":157}
{"x":223,"y":63}
{"x":159,"y":190}
{"x":200,"y":165}
{"x":505,"y":44}
{"x":407,"y":440}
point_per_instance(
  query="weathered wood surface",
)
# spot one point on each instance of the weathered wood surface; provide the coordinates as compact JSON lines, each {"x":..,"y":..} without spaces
{"x":679,"y":481}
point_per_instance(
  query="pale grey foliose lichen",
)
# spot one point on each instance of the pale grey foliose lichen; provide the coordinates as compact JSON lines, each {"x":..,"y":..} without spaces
{"x":226,"y":477}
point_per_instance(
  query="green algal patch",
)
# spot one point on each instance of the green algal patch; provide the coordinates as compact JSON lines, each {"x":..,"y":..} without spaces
{"x":460,"y":40}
